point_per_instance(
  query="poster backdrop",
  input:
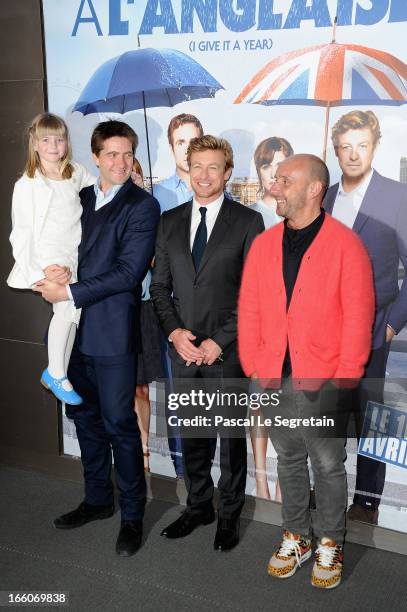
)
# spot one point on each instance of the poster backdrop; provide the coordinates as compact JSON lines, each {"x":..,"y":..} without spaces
{"x":267,"y":86}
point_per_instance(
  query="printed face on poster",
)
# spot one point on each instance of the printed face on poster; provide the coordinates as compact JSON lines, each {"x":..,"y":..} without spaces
{"x":248,"y":71}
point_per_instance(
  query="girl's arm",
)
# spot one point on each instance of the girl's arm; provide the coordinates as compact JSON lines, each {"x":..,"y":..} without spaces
{"x":22,"y":234}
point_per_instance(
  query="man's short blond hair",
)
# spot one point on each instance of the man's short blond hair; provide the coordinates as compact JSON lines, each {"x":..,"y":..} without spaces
{"x":356,"y":120}
{"x":211,"y":143}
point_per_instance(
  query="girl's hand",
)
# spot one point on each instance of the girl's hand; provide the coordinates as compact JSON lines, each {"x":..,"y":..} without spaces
{"x":58,"y":274}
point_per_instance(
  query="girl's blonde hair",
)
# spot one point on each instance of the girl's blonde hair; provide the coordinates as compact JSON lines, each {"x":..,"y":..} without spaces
{"x":43,"y":125}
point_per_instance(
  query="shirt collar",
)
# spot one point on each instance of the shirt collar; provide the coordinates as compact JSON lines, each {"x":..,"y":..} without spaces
{"x":177,"y":182}
{"x":110,"y":192}
{"x":212,"y":209}
{"x":308,"y":228}
{"x":360,"y":190}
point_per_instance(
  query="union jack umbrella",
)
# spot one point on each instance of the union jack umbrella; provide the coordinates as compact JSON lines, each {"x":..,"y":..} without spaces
{"x":329,"y":75}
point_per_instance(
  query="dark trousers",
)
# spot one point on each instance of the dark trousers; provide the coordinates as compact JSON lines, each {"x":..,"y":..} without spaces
{"x":106,"y":422}
{"x":198,"y":452}
{"x":370,"y":474}
{"x":174,"y":436}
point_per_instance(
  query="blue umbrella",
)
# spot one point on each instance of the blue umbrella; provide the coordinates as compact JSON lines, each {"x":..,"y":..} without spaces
{"x":145,"y":78}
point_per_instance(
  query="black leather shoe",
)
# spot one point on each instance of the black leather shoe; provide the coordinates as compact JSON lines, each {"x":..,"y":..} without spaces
{"x":186,"y":523}
{"x":227,"y":534}
{"x":129,"y":538}
{"x":362,"y":514}
{"x":84,"y":513}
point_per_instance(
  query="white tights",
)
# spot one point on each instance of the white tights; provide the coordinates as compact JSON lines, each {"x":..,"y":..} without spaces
{"x":61,"y":336}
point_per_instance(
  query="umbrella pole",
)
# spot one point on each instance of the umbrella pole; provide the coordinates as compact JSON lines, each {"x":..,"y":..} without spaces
{"x":147,"y":138}
{"x":148,"y":144}
{"x":328,"y":108}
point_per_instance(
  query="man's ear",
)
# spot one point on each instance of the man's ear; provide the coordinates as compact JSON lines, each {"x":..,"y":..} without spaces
{"x":227,"y":174}
{"x":96,"y":159}
{"x":315,"y":189}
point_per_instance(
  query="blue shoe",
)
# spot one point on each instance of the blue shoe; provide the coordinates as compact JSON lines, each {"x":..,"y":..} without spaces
{"x":55,"y":386}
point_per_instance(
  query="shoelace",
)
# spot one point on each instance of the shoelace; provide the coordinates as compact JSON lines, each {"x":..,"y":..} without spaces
{"x":325,"y":555}
{"x":288,"y":547}
{"x":63,"y":383}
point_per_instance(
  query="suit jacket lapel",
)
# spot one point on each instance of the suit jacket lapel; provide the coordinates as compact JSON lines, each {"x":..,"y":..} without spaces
{"x":87,"y":207}
{"x":368,"y":201}
{"x":88,"y":240}
{"x":330,"y":199}
{"x":185,"y":237}
{"x":218,"y":233}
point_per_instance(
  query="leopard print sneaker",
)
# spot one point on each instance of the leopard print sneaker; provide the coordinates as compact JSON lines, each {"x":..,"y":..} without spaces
{"x":327,"y":570}
{"x":292,"y":552}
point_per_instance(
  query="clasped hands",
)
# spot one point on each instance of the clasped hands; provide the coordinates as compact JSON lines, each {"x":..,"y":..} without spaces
{"x":52,"y":286}
{"x":204,"y":354}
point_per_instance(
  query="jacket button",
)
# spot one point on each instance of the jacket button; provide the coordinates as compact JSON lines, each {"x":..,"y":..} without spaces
{"x":278,"y":291}
{"x":278,"y":353}
{"x":275,"y":258}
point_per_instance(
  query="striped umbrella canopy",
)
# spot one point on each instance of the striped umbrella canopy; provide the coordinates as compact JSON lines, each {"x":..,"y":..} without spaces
{"x":328,"y":75}
{"x":332,"y":73}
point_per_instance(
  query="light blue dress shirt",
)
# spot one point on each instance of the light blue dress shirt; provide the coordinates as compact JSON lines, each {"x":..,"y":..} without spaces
{"x":104,"y":198}
{"x":171,"y":192}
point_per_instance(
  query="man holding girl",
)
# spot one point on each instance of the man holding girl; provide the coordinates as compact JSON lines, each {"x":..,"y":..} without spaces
{"x":119,"y":224}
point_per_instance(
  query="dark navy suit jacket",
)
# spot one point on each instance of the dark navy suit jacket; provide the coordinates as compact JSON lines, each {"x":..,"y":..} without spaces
{"x":115,"y":252}
{"x":382,"y":226}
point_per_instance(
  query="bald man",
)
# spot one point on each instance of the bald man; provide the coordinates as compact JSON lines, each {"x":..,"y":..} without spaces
{"x":305,"y":316}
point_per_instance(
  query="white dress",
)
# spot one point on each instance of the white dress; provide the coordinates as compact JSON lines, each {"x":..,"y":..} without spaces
{"x":46,"y":217}
{"x":61,"y":232}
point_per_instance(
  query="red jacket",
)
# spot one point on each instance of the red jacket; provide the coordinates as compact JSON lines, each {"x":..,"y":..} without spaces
{"x":329,"y":322}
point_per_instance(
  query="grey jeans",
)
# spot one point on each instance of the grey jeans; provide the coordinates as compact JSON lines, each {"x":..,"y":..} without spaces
{"x":293,"y":447}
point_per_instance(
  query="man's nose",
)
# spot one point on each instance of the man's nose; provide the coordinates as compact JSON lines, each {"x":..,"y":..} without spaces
{"x":275,"y":187}
{"x":354,"y":154}
{"x":204,"y":173}
{"x":121,"y":161}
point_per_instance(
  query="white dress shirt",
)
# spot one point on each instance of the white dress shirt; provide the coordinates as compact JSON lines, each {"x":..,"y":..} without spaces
{"x":212,"y":211}
{"x":348,"y":203}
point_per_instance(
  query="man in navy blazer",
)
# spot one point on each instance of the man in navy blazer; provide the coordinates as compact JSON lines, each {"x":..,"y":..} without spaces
{"x":376,"y":208}
{"x":119,"y":223}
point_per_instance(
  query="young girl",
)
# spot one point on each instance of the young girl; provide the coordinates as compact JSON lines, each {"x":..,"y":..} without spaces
{"x":46,"y":213}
